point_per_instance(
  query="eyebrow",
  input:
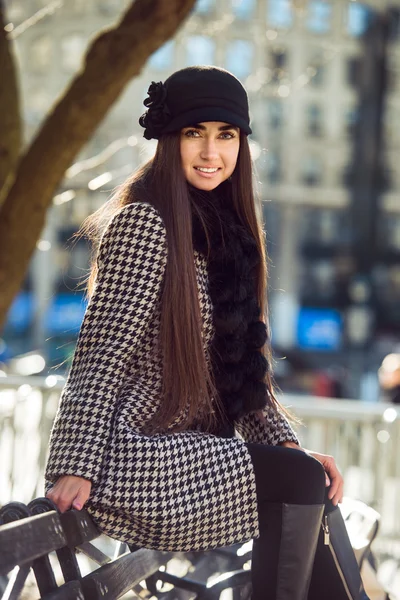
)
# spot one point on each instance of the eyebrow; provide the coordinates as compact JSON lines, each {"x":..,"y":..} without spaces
{"x":221,"y":128}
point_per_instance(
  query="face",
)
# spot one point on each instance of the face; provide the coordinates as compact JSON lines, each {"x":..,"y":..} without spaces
{"x":209,"y":153}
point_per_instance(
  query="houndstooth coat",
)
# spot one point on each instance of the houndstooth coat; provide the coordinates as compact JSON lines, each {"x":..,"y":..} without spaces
{"x":175,"y":491}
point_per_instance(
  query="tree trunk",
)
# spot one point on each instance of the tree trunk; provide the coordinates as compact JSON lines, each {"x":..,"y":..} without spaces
{"x":10,"y":122}
{"x":114,"y":58}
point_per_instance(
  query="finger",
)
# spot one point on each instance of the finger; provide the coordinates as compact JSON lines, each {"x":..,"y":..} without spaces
{"x":63,"y":504}
{"x":337,"y":498}
{"x":336,"y":490}
{"x":62,"y":500}
{"x":339,"y":495}
{"x":336,"y":478}
{"x":327,"y":480}
{"x":334,"y":474}
{"x":79,"y":500}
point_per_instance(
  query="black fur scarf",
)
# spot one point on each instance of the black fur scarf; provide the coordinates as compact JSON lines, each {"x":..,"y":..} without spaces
{"x":238,"y":366}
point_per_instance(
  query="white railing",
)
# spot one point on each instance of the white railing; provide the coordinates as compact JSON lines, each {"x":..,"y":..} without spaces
{"x":27,"y":409}
{"x":363,"y":438}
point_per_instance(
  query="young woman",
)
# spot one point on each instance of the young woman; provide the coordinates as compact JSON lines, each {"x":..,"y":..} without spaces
{"x":168,"y":430}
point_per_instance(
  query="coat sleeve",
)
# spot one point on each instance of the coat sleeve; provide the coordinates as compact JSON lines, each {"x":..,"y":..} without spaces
{"x":274,"y":430}
{"x":131,"y":266}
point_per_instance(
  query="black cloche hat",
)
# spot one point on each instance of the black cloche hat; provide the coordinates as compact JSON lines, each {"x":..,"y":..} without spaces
{"x":194,"y":95}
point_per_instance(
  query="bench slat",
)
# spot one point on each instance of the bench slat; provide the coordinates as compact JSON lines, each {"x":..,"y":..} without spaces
{"x":78,"y":527}
{"x":44,"y":575}
{"x":66,"y":556}
{"x":16,"y":583}
{"x":68,"y":563}
{"x":116,"y":578}
{"x":24,"y":540}
{"x":68,"y":591}
{"x":94,"y":553}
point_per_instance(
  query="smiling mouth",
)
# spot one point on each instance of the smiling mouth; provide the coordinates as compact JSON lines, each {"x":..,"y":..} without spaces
{"x":207,"y":169}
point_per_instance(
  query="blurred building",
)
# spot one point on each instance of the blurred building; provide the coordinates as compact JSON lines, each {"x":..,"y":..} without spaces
{"x":300,"y":62}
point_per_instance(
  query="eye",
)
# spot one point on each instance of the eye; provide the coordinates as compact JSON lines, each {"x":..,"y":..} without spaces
{"x":192,"y":133}
{"x":227,"y":135}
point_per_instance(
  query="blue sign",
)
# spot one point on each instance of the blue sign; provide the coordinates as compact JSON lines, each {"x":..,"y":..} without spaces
{"x":319,"y":329}
{"x":20,"y":314}
{"x":359,"y":18}
{"x":65,"y":314}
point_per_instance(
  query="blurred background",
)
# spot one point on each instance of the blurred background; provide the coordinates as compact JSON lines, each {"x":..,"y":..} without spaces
{"x":323,"y":78}
{"x":324,"y":87}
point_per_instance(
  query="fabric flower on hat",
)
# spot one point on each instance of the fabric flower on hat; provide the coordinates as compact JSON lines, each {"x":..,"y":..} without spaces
{"x":158,"y":114}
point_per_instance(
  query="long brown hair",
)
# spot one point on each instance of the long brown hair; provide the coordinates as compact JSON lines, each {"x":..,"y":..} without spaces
{"x":186,"y":375}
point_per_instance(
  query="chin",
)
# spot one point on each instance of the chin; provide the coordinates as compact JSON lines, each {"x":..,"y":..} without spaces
{"x":205,"y":185}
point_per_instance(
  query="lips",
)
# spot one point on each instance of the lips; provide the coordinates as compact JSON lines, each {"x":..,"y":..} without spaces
{"x":207,"y":172}
{"x":207,"y":169}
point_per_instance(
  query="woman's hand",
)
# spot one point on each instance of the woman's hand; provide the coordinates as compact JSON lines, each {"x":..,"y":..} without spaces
{"x":70,"y":491}
{"x":333,"y":476}
{"x":336,"y":479}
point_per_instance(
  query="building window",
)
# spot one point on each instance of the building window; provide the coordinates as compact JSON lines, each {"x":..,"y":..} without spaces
{"x":324,"y":226}
{"x":351,"y":120}
{"x":163,"y":58}
{"x":358,"y":18}
{"x":314,"y":120}
{"x":395,"y":233}
{"x":243,"y":9}
{"x":239,"y":58}
{"x":278,"y":64}
{"x":280,"y":13}
{"x":353,"y":71}
{"x":72,"y":48}
{"x":203,"y":7}
{"x":317,"y":74}
{"x":322,"y":278}
{"x":392,"y":73}
{"x":390,"y":231}
{"x":275,"y":114}
{"x":200,"y":50}
{"x":319,"y":17}
{"x":274,"y":167}
{"x":279,"y":58}
{"x":328,"y":226}
{"x":311,"y":171}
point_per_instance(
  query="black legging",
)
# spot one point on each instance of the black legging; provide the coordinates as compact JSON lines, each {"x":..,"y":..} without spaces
{"x":283,"y":475}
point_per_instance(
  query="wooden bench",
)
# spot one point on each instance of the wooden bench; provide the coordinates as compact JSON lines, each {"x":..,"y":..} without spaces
{"x":29,"y":533}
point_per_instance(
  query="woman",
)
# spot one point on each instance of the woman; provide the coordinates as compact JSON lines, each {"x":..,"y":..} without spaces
{"x":173,"y":359}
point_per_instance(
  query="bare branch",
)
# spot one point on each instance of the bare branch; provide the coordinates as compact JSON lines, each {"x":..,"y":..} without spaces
{"x":101,"y":157}
{"x":38,"y":16}
{"x":117,"y":55}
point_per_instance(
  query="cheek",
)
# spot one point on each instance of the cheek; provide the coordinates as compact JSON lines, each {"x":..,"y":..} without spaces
{"x":187,"y":154}
{"x":231,"y":158}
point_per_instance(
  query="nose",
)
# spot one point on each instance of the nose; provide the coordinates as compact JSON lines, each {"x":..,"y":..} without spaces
{"x":209,"y":151}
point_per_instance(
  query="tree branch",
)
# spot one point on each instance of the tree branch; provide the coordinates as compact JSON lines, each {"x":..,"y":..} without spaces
{"x":10,"y":122}
{"x":114,"y":58}
{"x":49,"y":9}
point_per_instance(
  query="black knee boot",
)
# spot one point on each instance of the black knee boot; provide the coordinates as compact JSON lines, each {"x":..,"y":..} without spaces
{"x":335,"y":575}
{"x":283,"y":555}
